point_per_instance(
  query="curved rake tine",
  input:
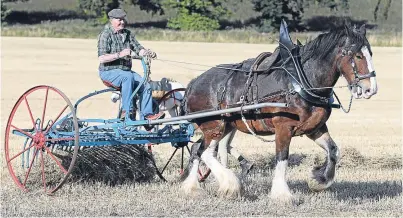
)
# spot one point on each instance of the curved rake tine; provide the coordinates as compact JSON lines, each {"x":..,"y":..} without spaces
{"x":21,"y":131}
{"x":30,"y":167}
{"x":43,"y":171}
{"x":22,"y":156}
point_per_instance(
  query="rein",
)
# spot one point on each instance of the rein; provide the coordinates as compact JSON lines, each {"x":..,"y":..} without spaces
{"x":270,"y":96}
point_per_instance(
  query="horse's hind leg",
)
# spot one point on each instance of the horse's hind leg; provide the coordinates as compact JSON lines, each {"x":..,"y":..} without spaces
{"x":190,"y":184}
{"x":323,"y":176}
{"x":229,"y":184}
{"x":225,"y":148}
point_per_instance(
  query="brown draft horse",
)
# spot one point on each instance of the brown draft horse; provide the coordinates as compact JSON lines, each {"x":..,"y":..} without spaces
{"x":303,"y":78}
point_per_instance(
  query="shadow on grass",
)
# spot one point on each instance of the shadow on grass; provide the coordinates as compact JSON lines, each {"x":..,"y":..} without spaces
{"x":342,"y":191}
{"x":366,"y":190}
{"x":269,"y":162}
{"x":114,"y":165}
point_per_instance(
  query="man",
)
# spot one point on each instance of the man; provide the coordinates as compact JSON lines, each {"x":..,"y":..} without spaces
{"x":115,"y":45}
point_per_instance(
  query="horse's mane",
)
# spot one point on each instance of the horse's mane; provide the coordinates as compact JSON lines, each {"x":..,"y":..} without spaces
{"x":321,"y":46}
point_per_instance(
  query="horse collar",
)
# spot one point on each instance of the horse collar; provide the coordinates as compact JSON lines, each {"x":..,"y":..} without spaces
{"x":292,"y":65}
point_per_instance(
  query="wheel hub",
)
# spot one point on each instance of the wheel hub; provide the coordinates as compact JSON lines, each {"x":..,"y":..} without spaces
{"x":39,"y":139}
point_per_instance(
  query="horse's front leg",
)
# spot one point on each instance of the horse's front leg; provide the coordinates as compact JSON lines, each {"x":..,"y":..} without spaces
{"x":280,"y":190}
{"x":323,"y":176}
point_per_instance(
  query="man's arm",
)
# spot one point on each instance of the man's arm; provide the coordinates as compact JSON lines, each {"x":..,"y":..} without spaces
{"x":109,"y":57}
{"x":135,"y":45}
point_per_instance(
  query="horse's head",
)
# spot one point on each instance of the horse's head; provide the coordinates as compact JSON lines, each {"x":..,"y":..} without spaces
{"x":355,"y":63}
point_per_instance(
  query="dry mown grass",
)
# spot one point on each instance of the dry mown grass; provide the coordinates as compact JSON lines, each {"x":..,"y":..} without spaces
{"x":117,"y":181}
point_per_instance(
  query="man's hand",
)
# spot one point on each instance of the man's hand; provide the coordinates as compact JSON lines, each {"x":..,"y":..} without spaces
{"x":148,"y":52}
{"x":125,"y":52}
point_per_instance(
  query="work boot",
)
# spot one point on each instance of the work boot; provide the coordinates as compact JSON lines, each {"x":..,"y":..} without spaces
{"x":246,"y":167}
{"x":160,"y":115}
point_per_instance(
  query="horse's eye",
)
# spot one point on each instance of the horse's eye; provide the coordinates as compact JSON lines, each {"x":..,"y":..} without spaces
{"x":359,"y":56}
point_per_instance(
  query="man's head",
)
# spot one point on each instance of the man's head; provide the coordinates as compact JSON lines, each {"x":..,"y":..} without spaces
{"x":118,"y":18}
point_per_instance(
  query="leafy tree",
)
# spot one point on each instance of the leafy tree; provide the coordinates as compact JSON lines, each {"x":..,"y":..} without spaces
{"x":273,"y":11}
{"x":386,"y":10}
{"x":100,"y":8}
{"x":153,"y":6}
{"x":198,"y":15}
{"x":4,"y":10}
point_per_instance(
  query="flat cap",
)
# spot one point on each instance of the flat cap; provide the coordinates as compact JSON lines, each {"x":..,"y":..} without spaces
{"x":117,"y":13}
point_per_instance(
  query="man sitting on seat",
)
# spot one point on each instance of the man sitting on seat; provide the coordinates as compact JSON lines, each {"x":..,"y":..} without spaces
{"x":115,"y":44}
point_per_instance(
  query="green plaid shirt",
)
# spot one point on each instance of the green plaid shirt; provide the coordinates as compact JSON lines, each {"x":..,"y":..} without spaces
{"x":110,"y":42}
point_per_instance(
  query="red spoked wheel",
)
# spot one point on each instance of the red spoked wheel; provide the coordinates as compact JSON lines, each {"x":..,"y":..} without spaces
{"x":171,"y":101}
{"x":40,"y":149}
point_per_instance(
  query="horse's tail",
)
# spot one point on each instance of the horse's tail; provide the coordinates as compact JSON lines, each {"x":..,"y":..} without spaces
{"x":183,"y":105}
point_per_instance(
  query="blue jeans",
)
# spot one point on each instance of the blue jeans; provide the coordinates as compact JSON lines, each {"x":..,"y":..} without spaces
{"x":128,"y":81}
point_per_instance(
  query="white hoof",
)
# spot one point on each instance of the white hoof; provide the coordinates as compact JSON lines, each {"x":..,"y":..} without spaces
{"x":283,"y":198}
{"x":191,"y":184}
{"x":190,"y":187}
{"x":230,"y":186}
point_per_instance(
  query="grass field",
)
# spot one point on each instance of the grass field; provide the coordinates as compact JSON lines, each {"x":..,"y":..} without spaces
{"x":368,"y":177}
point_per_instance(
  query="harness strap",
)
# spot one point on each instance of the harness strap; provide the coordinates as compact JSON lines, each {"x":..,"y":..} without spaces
{"x":265,"y":127}
{"x":254,"y":89}
{"x":223,"y":88}
{"x":259,"y":59}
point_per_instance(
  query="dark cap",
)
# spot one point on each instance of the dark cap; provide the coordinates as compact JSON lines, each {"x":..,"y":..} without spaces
{"x":117,"y":13}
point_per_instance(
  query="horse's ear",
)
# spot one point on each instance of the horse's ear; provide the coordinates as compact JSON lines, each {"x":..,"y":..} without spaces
{"x":363,"y":30}
{"x":286,"y":44}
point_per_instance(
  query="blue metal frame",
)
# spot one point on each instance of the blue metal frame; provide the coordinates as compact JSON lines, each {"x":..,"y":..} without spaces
{"x":116,"y":131}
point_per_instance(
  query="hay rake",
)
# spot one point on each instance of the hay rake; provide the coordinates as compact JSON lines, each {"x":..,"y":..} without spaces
{"x":43,"y":134}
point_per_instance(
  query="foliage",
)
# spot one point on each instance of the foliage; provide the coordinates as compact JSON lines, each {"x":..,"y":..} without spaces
{"x":5,"y":11}
{"x":100,"y":8}
{"x":291,"y":11}
{"x":153,"y":6}
{"x":386,"y":10}
{"x":193,"y":21}
{"x":97,"y":8}
{"x":197,"y":15}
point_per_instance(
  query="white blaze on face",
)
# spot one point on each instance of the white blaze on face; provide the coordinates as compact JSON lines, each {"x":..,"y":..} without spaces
{"x":367,"y":55}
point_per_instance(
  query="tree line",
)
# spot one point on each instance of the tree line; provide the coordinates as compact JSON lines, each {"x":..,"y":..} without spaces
{"x":204,"y":15}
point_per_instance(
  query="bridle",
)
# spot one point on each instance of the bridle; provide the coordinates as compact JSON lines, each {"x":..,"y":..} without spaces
{"x":357,"y":76}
